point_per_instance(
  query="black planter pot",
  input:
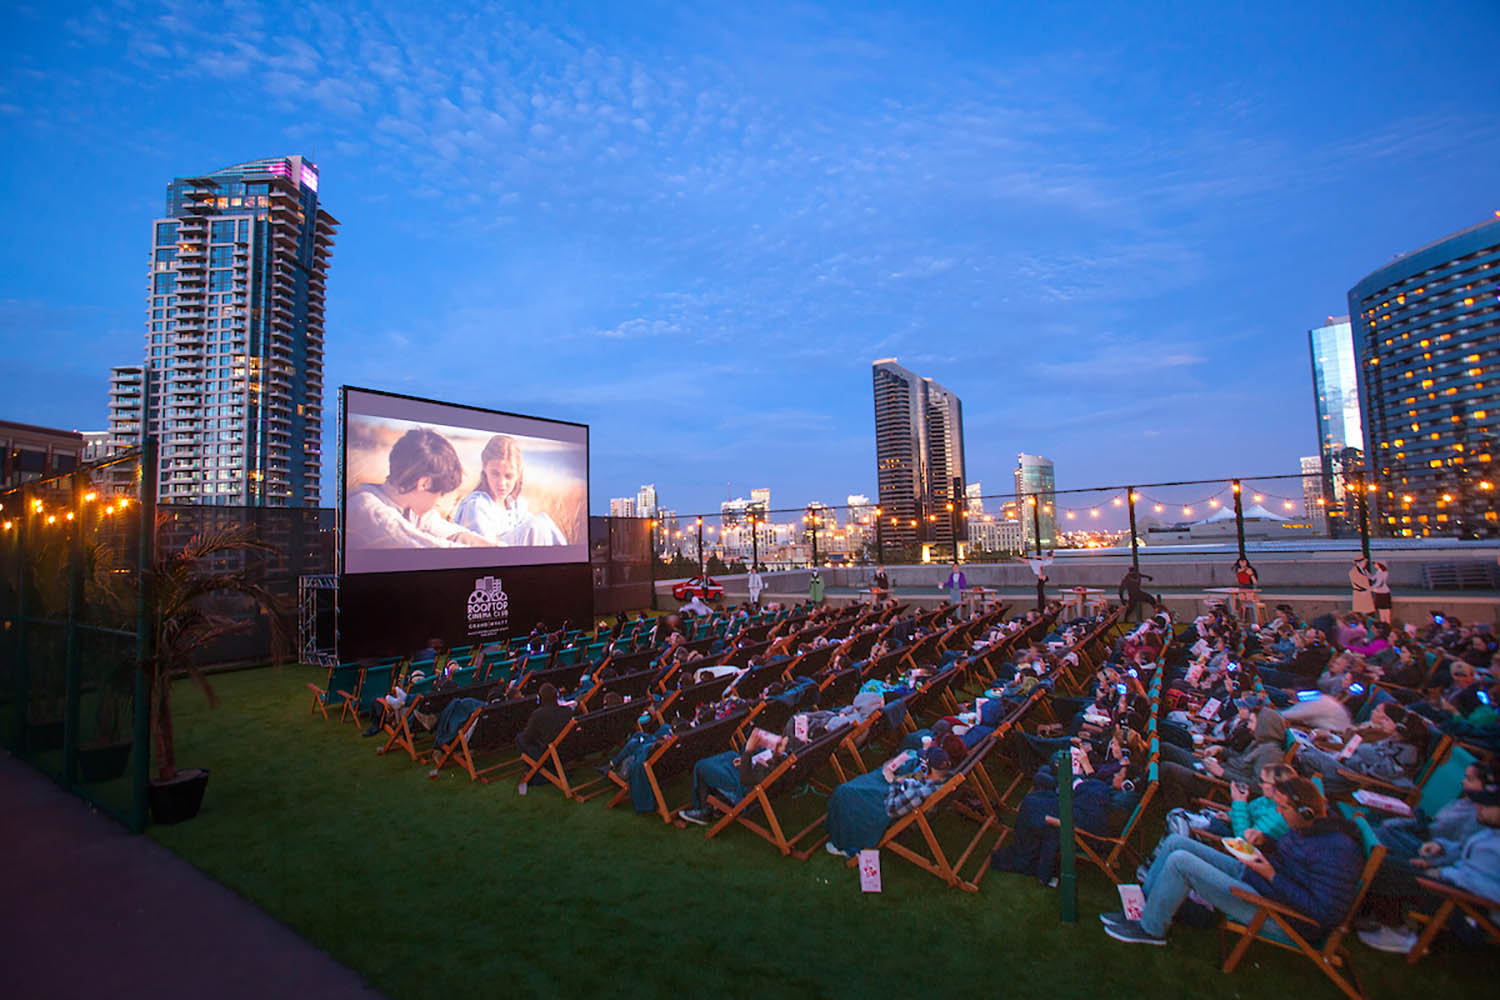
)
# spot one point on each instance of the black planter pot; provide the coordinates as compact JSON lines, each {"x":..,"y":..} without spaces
{"x":180,"y":798}
{"x":104,"y":763}
{"x":44,"y":736}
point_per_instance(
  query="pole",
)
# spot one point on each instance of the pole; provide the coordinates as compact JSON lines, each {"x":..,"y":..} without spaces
{"x":22,"y":640}
{"x":1364,"y":514}
{"x":754,"y":545}
{"x":702,"y":570}
{"x":145,"y":637}
{"x":1239,"y":518}
{"x":815,"y":540}
{"x":1036,"y":523}
{"x":1067,"y":879}
{"x":652,"y":556}
{"x":1135,"y":552}
{"x":879,"y":537}
{"x":72,"y":683}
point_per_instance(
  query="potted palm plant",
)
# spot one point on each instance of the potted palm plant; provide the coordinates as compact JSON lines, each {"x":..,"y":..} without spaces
{"x":198,"y":594}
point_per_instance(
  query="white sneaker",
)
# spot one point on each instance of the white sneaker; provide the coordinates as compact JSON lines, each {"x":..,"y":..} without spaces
{"x":834,"y":850}
{"x":1397,"y":940}
{"x":521,"y":788}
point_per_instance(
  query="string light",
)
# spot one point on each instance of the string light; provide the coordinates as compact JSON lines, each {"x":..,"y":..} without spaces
{"x":1070,"y":515}
{"x":1187,"y":511}
{"x":1118,"y":501}
{"x":1214,"y":504}
{"x":1094,"y":512}
{"x":1257,"y":498}
{"x":1158,"y":508}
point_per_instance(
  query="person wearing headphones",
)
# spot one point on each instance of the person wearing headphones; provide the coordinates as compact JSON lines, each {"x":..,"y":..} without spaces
{"x":1314,"y":868}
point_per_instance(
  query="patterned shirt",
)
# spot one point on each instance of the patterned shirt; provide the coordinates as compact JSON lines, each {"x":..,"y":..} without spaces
{"x":906,"y":794}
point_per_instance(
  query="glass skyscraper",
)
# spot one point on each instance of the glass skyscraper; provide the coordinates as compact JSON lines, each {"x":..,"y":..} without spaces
{"x":1036,"y":479}
{"x":1341,"y":436}
{"x":234,"y":342}
{"x":1427,"y":347}
{"x":919,"y":457}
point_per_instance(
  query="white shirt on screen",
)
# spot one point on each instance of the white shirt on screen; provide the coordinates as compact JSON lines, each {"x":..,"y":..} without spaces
{"x":374,"y":521}
{"x":512,"y":524}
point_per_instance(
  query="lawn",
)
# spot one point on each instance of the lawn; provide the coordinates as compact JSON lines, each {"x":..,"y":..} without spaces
{"x":439,"y":888}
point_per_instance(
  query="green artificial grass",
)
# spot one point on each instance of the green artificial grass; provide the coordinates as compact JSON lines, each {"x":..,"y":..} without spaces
{"x":444,"y":888}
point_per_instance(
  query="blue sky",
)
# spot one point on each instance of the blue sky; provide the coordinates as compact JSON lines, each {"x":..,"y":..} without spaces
{"x":1107,"y":227}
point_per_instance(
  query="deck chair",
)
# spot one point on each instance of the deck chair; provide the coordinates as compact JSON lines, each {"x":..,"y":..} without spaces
{"x":628,"y":686}
{"x":684,"y":701}
{"x":563,"y":678}
{"x":375,"y":682}
{"x":795,"y":769}
{"x":403,"y":729}
{"x":839,"y":688}
{"x":676,"y":756}
{"x":343,"y":679}
{"x":490,"y":729}
{"x":1330,"y":956}
{"x":1476,"y":908}
{"x":586,"y":735}
{"x":968,"y":793}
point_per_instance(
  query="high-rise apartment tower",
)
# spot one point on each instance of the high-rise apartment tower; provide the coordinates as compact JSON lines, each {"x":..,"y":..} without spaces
{"x":234,"y":336}
{"x":1427,"y":348}
{"x":919,"y":457}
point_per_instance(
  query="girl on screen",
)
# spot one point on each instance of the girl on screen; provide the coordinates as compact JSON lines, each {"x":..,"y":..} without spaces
{"x":496,"y":509}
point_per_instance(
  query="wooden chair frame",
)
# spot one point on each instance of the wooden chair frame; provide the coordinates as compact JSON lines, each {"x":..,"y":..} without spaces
{"x":1331,"y":958}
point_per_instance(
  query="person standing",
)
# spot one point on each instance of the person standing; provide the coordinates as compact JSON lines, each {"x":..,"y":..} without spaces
{"x":1039,"y":567}
{"x":1246,"y":582}
{"x":755,"y":584}
{"x":815,"y":588}
{"x":1359,"y":584}
{"x":880,"y":586}
{"x":955,"y":585}
{"x":1380,"y":589}
{"x":1133,"y":595}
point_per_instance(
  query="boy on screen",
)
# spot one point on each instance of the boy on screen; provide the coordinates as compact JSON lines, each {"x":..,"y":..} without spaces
{"x":399,"y":513}
{"x":495,"y":509}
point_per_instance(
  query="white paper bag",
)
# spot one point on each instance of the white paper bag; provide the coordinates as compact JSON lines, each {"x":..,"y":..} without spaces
{"x":869,"y":870}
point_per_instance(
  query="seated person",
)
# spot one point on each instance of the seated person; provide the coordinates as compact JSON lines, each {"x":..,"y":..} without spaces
{"x":1390,"y":747}
{"x":732,"y":774}
{"x":1326,"y":711}
{"x":1102,"y":799}
{"x":1472,"y":864}
{"x":860,"y":810}
{"x":1255,"y":819}
{"x":1181,"y":784}
{"x":1403,"y":836}
{"x":544,"y":725}
{"x":1314,"y":869}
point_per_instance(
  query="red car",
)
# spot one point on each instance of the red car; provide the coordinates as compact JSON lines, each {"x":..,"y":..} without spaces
{"x":698,"y":586}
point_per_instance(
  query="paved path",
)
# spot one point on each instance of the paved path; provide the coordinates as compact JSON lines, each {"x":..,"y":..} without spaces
{"x":90,"y":911}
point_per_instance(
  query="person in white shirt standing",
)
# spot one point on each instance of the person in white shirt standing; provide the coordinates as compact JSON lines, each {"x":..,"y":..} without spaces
{"x":756,"y":585}
{"x":400,"y":513}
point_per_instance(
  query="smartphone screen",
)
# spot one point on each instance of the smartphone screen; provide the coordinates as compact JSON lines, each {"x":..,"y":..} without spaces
{"x":1307,"y":696}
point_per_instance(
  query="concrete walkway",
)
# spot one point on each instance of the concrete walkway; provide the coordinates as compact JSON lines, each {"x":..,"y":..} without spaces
{"x":91,"y":911}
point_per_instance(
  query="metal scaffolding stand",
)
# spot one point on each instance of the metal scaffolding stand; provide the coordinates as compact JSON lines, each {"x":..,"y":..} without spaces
{"x":318,"y":596}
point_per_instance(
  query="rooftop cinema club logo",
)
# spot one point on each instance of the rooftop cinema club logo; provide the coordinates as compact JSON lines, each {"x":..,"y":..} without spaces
{"x":489,"y":607}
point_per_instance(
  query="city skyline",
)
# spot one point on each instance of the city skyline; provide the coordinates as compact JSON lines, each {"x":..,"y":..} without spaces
{"x":1100,"y":229}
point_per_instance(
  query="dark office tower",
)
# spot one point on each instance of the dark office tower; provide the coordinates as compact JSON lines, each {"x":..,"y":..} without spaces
{"x":919,"y":457}
{"x":1341,"y":437}
{"x":1427,"y":347}
{"x":234,"y":342}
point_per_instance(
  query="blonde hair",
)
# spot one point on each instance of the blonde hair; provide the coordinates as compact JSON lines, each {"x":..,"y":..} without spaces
{"x":502,"y":448}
